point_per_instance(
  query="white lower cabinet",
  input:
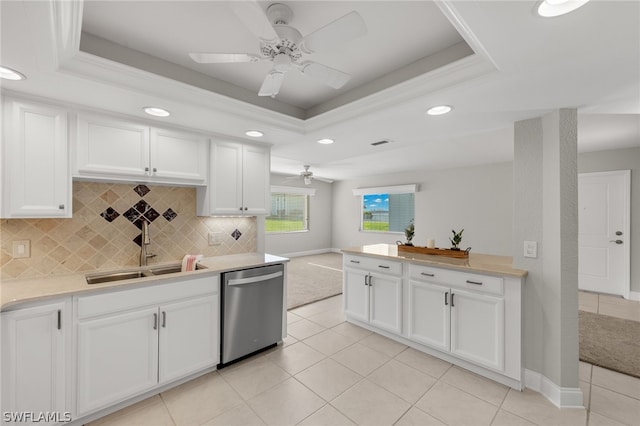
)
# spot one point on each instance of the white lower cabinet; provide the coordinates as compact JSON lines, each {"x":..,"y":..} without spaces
{"x":429,"y":315}
{"x":131,"y":341}
{"x":373,"y":297}
{"x":35,"y":360}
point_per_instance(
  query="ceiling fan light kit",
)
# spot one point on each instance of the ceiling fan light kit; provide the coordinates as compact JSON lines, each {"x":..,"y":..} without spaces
{"x":307,"y":177}
{"x":284,"y":45}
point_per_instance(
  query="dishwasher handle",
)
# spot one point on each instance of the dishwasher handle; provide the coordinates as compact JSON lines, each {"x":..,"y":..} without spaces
{"x":256,"y":279}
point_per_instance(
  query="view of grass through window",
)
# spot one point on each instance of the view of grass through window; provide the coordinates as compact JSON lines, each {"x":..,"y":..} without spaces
{"x":387,"y":212}
{"x":288,"y":213}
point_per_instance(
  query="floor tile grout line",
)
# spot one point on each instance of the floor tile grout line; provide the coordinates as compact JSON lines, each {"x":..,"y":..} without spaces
{"x":610,"y":390}
{"x":175,"y":423}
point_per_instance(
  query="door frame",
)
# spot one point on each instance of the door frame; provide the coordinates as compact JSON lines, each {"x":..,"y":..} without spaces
{"x":626,"y":175}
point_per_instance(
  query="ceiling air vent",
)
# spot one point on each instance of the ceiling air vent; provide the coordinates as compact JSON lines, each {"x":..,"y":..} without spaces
{"x":379,"y":143}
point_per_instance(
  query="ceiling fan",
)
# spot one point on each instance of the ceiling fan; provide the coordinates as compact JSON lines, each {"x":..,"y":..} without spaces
{"x":284,"y":46}
{"x":307,"y":177}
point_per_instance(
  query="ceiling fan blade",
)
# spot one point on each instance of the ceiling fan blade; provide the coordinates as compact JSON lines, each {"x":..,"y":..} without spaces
{"x":334,"y":34}
{"x":289,"y":179}
{"x":255,"y":19}
{"x":271,"y":84}
{"x":324,"y":74}
{"x":322,"y":179}
{"x":221,"y":58}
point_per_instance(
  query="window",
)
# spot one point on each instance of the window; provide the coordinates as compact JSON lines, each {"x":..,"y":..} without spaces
{"x":289,"y":210}
{"x":386,"y":209}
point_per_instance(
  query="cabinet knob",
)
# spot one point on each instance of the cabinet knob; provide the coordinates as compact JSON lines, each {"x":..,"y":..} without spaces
{"x":240,"y":208}
{"x":155,"y":170}
{"x":246,"y":208}
{"x":61,"y":207}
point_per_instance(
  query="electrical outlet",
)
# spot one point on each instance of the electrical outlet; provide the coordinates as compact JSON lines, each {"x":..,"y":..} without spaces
{"x":531,"y":249}
{"x":21,"y":249}
{"x":215,"y":238}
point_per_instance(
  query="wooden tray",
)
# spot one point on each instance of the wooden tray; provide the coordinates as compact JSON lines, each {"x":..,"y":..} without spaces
{"x":461,"y":254}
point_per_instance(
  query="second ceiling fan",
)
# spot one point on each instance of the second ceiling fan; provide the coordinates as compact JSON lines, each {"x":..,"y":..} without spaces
{"x":284,"y":46}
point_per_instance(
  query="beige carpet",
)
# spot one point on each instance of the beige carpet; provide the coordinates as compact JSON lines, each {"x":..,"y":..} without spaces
{"x":610,"y":342}
{"x":313,"y":278}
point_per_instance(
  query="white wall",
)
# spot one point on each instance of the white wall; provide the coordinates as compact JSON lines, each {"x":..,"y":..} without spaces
{"x":621,"y":159}
{"x":478,"y":199}
{"x":318,"y":238}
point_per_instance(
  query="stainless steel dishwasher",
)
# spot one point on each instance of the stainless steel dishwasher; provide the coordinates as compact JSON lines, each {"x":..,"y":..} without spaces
{"x":252,"y":311}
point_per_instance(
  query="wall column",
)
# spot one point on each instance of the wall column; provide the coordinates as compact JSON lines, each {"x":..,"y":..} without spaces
{"x":545,"y":211}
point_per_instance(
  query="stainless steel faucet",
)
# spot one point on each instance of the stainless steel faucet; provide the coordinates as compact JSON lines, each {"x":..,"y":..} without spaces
{"x":144,"y":243}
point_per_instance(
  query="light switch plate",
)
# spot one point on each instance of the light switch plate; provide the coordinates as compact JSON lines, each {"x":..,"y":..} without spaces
{"x":531,"y":249}
{"x":215,"y":238}
{"x":21,"y":249}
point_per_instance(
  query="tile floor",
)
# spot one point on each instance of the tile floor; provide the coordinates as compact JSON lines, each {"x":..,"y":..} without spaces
{"x":329,"y":372}
{"x":613,"y":306}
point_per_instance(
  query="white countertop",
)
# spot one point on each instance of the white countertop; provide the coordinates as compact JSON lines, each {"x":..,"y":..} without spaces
{"x":476,"y":262}
{"x":14,"y":292}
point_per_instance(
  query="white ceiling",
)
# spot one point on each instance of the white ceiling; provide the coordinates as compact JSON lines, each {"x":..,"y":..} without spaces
{"x":523,"y":66}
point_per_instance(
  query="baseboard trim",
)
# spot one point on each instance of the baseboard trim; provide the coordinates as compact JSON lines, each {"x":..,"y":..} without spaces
{"x":559,"y":396}
{"x":634,"y":295}
{"x":306,"y":253}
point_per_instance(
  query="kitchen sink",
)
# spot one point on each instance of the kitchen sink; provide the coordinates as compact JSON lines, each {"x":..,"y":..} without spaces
{"x":108,"y":277}
{"x":114,"y":276}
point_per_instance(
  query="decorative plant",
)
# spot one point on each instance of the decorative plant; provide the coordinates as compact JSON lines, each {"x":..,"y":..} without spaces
{"x":409,"y":231}
{"x":457,"y":238}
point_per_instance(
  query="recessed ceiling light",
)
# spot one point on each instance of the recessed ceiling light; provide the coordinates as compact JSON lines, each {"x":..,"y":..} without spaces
{"x":9,"y":74}
{"x":439,"y":110}
{"x":254,"y":133}
{"x":551,"y":8}
{"x":326,"y":141}
{"x":156,"y":112}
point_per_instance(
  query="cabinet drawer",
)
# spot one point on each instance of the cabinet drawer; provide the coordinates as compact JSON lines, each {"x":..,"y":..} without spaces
{"x":473,"y":282}
{"x":122,"y":300}
{"x":373,"y":264}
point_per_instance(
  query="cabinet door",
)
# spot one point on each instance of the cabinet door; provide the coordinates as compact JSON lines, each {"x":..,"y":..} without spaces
{"x":112,"y":147}
{"x":385,"y":294}
{"x":429,"y":316}
{"x":117,"y":358}
{"x":256,"y":190}
{"x":226,"y":178}
{"x":477,"y":328}
{"x":356,"y":294}
{"x":189,"y":337}
{"x":179,"y":157}
{"x":34,"y":350}
{"x":36,"y":178}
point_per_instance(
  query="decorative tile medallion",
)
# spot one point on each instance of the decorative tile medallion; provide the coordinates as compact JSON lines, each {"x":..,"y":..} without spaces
{"x":169,"y":215}
{"x":236,"y":234}
{"x":142,"y":190}
{"x":109,"y":215}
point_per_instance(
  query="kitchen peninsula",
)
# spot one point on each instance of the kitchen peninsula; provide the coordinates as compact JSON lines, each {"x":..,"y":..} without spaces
{"x":465,"y":311}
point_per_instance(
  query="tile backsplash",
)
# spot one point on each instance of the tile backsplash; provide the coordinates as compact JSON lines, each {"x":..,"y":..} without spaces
{"x":104,"y":232}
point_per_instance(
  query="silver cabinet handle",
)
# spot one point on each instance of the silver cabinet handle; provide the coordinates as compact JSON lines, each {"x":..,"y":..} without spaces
{"x":155,"y":170}
{"x":370,"y":280}
{"x":452,"y":305}
{"x":618,"y":233}
{"x":164,"y":319}
{"x":427,"y":275}
{"x":61,"y":207}
{"x":616,"y":241}
{"x":383,"y":266}
{"x":474,"y":282}
{"x":59,"y":319}
{"x":446,"y":298}
{"x":155,"y":321}
{"x":146,"y":169}
{"x":354,"y":261}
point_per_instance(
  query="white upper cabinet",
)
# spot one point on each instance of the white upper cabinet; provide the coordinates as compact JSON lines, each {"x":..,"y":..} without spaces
{"x":114,"y":149}
{"x":36,"y":182}
{"x":238,"y":182}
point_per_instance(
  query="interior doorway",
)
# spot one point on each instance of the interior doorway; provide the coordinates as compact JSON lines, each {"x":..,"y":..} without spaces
{"x":604,"y":211}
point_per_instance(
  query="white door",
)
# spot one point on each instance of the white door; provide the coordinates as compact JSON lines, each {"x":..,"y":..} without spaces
{"x":429,"y":316}
{"x":604,"y":240}
{"x":36,"y":173}
{"x":34,"y":374}
{"x":117,"y":358}
{"x":477,"y":328}
{"x":356,"y":294}
{"x":385,"y":309}
{"x":178,"y":156}
{"x":256,"y":192}
{"x":189,"y":339}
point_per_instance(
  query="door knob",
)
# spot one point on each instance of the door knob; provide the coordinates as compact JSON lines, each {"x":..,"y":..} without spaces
{"x":616,"y":241}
